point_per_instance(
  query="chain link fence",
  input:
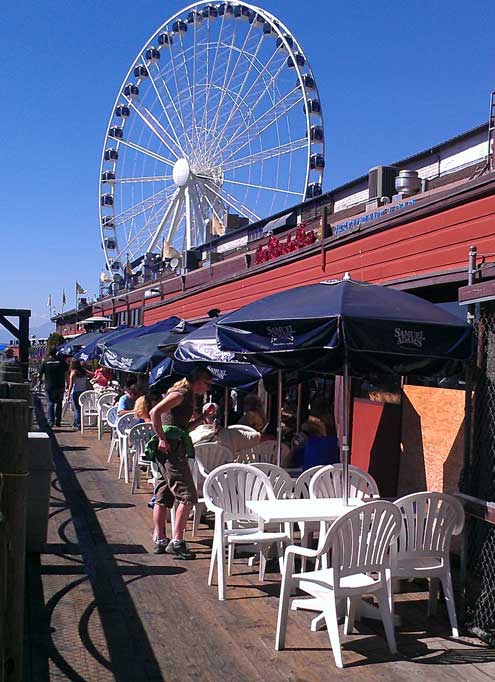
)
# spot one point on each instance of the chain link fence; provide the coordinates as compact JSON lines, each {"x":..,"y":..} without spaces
{"x":479,"y":481}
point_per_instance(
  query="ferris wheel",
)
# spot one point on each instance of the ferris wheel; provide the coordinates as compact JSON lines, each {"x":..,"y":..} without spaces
{"x":218,"y":116}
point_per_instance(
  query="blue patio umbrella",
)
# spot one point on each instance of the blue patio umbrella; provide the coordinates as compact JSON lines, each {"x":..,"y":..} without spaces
{"x":199,"y":348}
{"x":343,"y":327}
{"x":76,"y":344}
{"x":138,"y":350}
{"x":93,"y":350}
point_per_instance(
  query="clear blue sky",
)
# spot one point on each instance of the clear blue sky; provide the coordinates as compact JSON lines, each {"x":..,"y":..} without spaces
{"x":394,"y":78}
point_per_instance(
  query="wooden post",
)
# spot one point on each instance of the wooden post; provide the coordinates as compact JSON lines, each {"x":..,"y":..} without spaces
{"x":13,"y":474}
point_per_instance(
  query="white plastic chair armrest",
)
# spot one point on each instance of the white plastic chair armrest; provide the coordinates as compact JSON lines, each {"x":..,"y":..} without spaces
{"x":301,"y":551}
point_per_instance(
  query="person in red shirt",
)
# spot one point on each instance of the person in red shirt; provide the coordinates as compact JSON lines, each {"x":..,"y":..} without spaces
{"x":102,"y":377}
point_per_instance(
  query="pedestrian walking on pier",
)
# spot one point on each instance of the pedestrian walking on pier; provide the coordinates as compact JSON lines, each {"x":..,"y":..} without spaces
{"x":54,"y":372}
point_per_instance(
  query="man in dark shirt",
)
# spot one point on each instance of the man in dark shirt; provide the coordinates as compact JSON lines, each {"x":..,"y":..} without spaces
{"x":54,"y":370}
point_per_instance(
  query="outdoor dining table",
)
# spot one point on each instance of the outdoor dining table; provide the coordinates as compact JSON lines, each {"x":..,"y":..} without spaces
{"x":304,"y":509}
{"x":325,"y":510}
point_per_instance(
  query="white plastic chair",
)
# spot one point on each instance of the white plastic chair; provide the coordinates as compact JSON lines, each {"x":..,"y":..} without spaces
{"x":208,"y":456}
{"x":280,"y":479}
{"x":359,"y":543}
{"x":122,"y":427}
{"x":88,"y":403}
{"x":226,"y":490}
{"x":266,"y":451}
{"x":329,"y":482}
{"x":103,"y":404}
{"x":111,"y":419}
{"x":137,"y":438}
{"x":429,"y":520}
{"x":306,"y":528}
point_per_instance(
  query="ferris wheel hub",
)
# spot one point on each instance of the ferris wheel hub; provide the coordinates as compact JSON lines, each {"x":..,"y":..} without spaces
{"x":181,"y":172}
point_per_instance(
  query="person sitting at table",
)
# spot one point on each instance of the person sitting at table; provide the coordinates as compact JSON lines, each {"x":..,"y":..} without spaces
{"x":102,"y":377}
{"x":144,"y":404}
{"x":127,"y":401}
{"x":254,"y":414}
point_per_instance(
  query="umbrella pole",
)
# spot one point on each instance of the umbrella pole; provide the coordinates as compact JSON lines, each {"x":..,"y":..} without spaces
{"x":226,"y":407}
{"x":345,"y":434}
{"x":279,"y":416}
{"x":298,"y":408}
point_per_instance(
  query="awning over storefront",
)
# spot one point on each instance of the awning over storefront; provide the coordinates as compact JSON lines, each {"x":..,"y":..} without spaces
{"x":287,"y":220}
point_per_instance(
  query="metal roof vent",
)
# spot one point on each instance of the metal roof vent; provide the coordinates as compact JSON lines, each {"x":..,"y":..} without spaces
{"x":407,"y":183}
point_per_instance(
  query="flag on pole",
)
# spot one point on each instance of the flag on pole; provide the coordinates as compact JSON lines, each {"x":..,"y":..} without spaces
{"x":79,"y":289}
{"x":128,"y":268}
{"x":64,"y":299}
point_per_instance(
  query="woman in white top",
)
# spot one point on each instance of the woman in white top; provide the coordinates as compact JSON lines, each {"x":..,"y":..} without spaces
{"x":78,"y":383}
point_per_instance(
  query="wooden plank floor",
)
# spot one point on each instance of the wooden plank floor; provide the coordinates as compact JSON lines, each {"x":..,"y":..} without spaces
{"x":102,"y":607}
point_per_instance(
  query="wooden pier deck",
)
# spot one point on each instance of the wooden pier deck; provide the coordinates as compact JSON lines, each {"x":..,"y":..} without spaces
{"x":101,"y":607}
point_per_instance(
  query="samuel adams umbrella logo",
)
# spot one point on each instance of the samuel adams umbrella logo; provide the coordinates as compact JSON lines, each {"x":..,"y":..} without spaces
{"x":282,"y":335}
{"x":116,"y":362}
{"x":409,"y":338}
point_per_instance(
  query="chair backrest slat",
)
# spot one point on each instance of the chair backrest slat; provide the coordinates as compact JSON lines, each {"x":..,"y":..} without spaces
{"x":360,"y":539}
{"x":107,"y":398}
{"x":211,"y":455}
{"x":301,"y":487}
{"x":228,"y":487}
{"x":139,"y":435}
{"x":112,"y":416}
{"x":125,"y":422}
{"x":282,"y":483}
{"x":329,"y":482}
{"x":429,"y":520}
{"x":88,"y":400}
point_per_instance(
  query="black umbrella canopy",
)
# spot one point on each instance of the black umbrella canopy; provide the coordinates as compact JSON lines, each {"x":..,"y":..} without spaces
{"x":138,"y":350}
{"x":375,"y":328}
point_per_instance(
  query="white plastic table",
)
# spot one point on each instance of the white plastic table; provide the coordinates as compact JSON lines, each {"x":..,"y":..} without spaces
{"x":321,"y":509}
{"x":305,"y":509}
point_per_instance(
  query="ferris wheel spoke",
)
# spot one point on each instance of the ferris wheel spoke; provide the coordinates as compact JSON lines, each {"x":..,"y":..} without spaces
{"x":147,"y":152}
{"x":244,"y":100}
{"x":155,"y":126}
{"x":177,"y":215}
{"x":187,"y":78}
{"x":142,"y":206}
{"x":280,"y":103}
{"x":256,"y":133}
{"x":163,"y":220}
{"x":223,"y":89}
{"x":201,"y":213}
{"x":136,"y":240}
{"x":264,"y":154}
{"x":151,"y":178}
{"x":234,"y":203}
{"x":204,"y":120}
{"x":164,"y":109}
{"x":268,"y":189}
{"x":253,"y":58}
{"x":226,"y":87}
{"x":171,"y":99}
{"x":182,"y":118}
